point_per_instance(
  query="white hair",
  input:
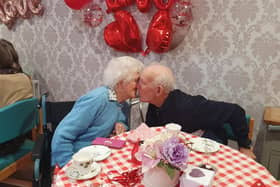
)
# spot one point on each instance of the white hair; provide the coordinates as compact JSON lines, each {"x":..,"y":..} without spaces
{"x":163,"y":76}
{"x":121,"y":68}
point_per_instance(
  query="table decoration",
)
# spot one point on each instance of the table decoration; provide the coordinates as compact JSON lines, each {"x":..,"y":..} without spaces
{"x":128,"y":178}
{"x":142,"y":132}
{"x":163,"y":157}
{"x":195,"y":176}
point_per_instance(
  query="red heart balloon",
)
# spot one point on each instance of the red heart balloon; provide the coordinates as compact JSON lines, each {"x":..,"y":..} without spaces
{"x":113,"y":37}
{"x":76,"y":4}
{"x":144,"y":5}
{"x":123,"y":34}
{"x":114,"y":5}
{"x":159,"y":34}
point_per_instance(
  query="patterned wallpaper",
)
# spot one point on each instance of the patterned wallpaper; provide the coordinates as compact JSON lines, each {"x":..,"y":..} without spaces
{"x":231,"y":52}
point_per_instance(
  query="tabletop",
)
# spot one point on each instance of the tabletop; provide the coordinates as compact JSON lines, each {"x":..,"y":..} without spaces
{"x":233,"y":168}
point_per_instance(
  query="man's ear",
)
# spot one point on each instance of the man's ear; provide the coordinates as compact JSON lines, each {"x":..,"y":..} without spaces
{"x":159,"y":90}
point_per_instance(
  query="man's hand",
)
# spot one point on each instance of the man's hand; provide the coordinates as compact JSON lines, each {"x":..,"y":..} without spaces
{"x":247,"y":152}
{"x":119,"y":128}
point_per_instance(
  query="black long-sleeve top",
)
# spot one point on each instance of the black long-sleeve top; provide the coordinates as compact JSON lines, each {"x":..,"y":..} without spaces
{"x":197,"y":112}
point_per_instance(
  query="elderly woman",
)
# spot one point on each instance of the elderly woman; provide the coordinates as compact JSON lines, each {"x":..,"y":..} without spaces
{"x":98,"y":113}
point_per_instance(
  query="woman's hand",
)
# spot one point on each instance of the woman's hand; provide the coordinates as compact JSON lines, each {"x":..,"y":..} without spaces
{"x":119,"y":128}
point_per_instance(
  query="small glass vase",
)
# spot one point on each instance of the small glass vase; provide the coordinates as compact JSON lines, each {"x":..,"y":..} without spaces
{"x":158,"y":177}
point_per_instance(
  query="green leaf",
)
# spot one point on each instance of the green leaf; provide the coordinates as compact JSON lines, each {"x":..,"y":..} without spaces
{"x":168,"y":168}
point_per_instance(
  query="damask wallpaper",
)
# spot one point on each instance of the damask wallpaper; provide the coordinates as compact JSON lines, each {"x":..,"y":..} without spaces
{"x":231,"y":52}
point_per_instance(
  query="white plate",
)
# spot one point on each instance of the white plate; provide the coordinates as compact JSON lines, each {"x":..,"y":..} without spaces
{"x":204,"y":145}
{"x":99,"y":152}
{"x":74,"y":173}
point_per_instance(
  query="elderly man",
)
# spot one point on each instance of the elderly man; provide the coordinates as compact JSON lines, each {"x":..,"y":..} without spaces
{"x":169,"y":105}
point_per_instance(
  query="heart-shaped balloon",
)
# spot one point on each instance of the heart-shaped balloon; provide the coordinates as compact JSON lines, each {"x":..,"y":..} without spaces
{"x":144,"y":5}
{"x":114,"y":38}
{"x":123,"y":34}
{"x":159,"y":34}
{"x":114,"y":5}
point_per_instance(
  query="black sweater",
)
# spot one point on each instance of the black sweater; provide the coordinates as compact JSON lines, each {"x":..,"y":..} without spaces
{"x":197,"y":112}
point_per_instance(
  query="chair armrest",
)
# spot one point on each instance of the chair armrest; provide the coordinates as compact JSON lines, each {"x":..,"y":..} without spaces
{"x":38,"y":147}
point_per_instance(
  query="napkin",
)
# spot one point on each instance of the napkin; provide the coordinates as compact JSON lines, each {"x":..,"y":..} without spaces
{"x":142,"y":132}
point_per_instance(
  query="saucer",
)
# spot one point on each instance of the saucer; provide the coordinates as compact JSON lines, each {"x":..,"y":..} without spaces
{"x":204,"y":145}
{"x":99,"y":152}
{"x":73,"y":173}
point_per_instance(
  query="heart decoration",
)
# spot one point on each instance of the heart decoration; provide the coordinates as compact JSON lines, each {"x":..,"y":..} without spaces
{"x":159,"y":33}
{"x":196,"y":173}
{"x":123,"y":34}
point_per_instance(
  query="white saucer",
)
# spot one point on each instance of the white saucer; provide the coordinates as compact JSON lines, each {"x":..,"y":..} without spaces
{"x":99,"y":152}
{"x":204,"y":145}
{"x":74,"y":173}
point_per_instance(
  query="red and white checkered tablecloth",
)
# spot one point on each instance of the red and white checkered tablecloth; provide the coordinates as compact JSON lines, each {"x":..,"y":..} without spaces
{"x":233,"y":168}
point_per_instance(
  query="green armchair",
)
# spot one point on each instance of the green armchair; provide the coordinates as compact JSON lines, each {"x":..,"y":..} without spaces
{"x":16,"y":120}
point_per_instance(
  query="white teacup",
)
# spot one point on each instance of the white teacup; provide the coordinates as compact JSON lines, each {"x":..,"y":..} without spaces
{"x":82,"y":161}
{"x":173,"y":128}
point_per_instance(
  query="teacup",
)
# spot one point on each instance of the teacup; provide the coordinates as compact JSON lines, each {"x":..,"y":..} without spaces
{"x":173,"y":128}
{"x":82,"y":161}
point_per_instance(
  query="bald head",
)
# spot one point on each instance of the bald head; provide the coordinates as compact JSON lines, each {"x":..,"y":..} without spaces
{"x":160,"y":75}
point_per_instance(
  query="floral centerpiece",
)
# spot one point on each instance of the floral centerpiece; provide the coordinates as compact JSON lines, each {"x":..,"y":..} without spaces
{"x":163,"y":158}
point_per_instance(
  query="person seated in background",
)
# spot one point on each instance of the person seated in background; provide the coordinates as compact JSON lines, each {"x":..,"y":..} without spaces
{"x":98,"y":113}
{"x":169,"y":105}
{"x":15,"y":85}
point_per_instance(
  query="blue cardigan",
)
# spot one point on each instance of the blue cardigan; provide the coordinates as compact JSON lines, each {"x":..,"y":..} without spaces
{"x":93,"y":115}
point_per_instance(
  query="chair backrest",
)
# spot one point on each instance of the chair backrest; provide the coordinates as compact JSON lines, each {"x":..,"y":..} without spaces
{"x":18,"y":118}
{"x":56,"y":111}
{"x":250,"y":123}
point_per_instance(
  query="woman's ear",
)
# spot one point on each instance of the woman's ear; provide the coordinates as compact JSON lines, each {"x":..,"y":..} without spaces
{"x":119,"y":84}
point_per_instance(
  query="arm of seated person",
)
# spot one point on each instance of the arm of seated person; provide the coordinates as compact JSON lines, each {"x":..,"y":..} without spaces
{"x":247,"y":152}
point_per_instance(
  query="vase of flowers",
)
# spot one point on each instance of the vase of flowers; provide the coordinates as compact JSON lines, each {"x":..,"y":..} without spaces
{"x":163,"y":158}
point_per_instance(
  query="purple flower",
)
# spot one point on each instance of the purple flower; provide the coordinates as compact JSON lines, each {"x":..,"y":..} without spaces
{"x":174,"y":152}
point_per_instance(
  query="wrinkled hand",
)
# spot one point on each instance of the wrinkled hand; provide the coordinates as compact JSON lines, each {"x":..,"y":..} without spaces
{"x":248,"y":152}
{"x":119,"y":128}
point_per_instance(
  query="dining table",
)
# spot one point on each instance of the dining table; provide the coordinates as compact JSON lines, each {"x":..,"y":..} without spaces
{"x":233,"y":169}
